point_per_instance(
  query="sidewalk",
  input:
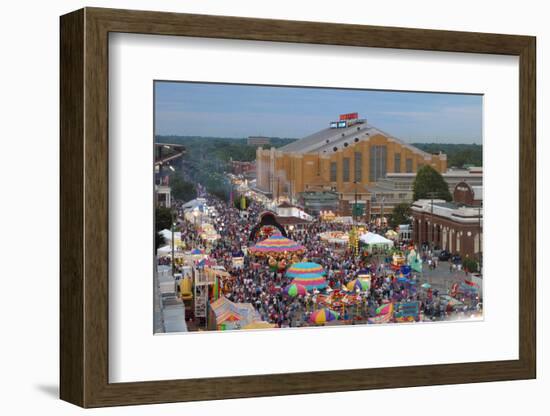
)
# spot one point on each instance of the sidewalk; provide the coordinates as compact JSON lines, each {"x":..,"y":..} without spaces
{"x":169,"y":309}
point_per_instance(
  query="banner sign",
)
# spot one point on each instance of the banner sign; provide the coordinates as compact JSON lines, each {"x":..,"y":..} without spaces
{"x":349,"y":116}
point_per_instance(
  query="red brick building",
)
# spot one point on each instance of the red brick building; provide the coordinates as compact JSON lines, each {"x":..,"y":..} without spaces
{"x":453,"y":226}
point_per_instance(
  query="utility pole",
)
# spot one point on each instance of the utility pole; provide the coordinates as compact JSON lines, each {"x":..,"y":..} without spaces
{"x":173,"y":256}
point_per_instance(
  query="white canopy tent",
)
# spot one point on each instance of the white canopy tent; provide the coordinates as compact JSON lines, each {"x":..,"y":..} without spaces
{"x":166,"y":251}
{"x":375,"y":239}
{"x":197,"y":203}
{"x":167,"y":234}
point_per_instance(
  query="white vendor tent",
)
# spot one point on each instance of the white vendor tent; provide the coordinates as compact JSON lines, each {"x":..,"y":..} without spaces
{"x":166,"y":251}
{"x":167,"y":234}
{"x":373,"y":239}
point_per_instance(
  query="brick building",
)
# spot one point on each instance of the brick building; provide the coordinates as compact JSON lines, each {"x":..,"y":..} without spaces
{"x":455,"y":226}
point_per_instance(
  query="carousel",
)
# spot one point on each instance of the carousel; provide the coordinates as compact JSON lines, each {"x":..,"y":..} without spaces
{"x":277,"y":247}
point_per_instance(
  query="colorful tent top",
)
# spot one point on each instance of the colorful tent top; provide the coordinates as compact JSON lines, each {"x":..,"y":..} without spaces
{"x":206,"y":262}
{"x":322,"y":316}
{"x":230,"y":315}
{"x":294,"y":290}
{"x":225,"y":310}
{"x":359,"y":284}
{"x":373,"y":239}
{"x":469,"y":286}
{"x":276,"y":244}
{"x":385,"y":309}
{"x":308,"y":274}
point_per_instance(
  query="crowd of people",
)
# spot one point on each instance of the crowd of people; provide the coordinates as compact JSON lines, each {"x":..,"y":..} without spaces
{"x":255,"y":283}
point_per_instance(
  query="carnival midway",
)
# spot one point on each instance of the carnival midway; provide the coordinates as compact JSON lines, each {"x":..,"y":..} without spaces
{"x":230,"y":265}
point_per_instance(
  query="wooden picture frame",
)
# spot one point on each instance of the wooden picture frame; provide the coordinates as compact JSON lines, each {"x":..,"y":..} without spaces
{"x":84,"y":207}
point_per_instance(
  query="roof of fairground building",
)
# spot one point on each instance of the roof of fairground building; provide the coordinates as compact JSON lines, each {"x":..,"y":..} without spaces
{"x":452,"y":210}
{"x":291,"y":220}
{"x":326,"y":140}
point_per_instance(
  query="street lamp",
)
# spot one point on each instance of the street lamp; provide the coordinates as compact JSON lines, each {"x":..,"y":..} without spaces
{"x":173,"y":254}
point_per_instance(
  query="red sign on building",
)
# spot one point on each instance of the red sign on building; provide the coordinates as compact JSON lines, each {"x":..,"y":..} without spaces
{"x":349,"y":116}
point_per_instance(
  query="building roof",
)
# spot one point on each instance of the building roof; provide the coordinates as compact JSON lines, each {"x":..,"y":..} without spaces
{"x":315,"y":195}
{"x":450,"y":210}
{"x":291,"y":220}
{"x":326,"y":140}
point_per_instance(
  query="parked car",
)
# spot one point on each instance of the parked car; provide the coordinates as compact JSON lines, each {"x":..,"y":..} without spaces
{"x":444,"y":255}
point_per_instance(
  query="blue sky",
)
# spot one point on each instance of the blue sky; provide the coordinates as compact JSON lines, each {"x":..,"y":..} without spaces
{"x":226,"y":110}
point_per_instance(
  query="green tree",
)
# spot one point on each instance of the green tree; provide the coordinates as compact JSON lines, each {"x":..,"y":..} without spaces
{"x":181,"y":189}
{"x":430,"y":184}
{"x":159,"y":240}
{"x":401,"y":214}
{"x":163,"y":219}
{"x":470,"y":265}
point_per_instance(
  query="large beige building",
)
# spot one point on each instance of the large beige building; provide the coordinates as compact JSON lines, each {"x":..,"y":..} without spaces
{"x":348,"y":157}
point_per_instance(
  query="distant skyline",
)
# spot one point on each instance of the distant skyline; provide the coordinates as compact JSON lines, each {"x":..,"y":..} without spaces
{"x":229,"y":110}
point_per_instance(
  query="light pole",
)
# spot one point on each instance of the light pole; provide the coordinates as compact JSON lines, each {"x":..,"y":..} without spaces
{"x":173,"y":254}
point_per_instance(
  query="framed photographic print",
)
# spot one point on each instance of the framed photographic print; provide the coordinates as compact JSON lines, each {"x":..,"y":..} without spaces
{"x":255,"y":207}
